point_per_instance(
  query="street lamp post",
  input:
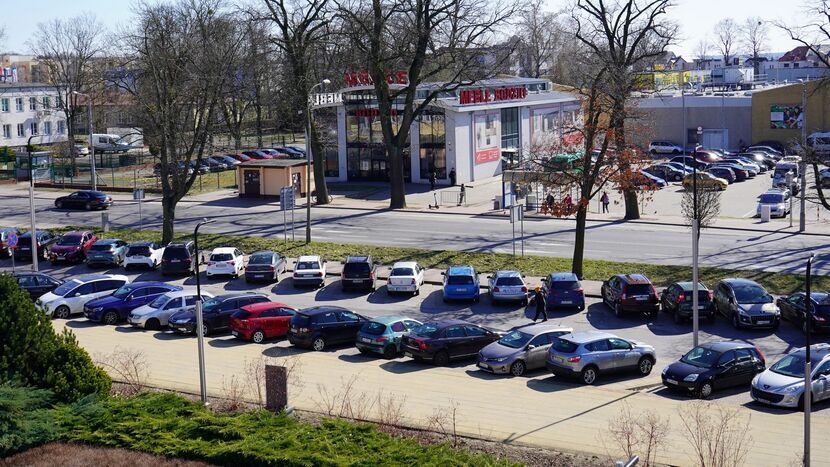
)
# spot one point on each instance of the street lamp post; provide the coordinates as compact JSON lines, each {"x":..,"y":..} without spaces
{"x":808,"y":380}
{"x":308,"y":150}
{"x":91,"y":144}
{"x":32,"y":204}
{"x":200,"y":335}
{"x":695,"y":244}
{"x":802,"y":166}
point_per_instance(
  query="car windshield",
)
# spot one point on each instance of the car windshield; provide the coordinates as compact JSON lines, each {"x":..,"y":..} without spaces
{"x":782,"y":173}
{"x":459,"y":280}
{"x":101,"y":247}
{"x":138,"y":251}
{"x":562,"y":345}
{"x":402,"y":272}
{"x":426,"y":330}
{"x":701,"y":357}
{"x":771,"y":198}
{"x":356,"y":268}
{"x":509,"y":281}
{"x":221,"y":257}
{"x":565,"y":285}
{"x":123,"y":291}
{"x":260,"y":259}
{"x":373,"y":328}
{"x":159,"y":302}
{"x":211,"y":304}
{"x":791,"y":365}
{"x":70,"y":240}
{"x":638,"y":289}
{"x":308,"y":265}
{"x":515,"y":339}
{"x":176,"y":252}
{"x":66,"y":287}
{"x":751,"y":294}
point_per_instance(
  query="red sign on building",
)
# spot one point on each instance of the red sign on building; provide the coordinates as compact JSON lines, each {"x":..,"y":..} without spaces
{"x":362,"y":78}
{"x":483,"y":96}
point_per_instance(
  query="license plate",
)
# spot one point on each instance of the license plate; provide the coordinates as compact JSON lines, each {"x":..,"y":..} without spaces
{"x":235,"y":333}
{"x":671,"y":381}
{"x":762,"y":322}
{"x":567,"y":302}
{"x":175,"y":261}
{"x":407,"y":354}
{"x":641,"y":299}
{"x":700,"y":307}
{"x":484,"y":365}
{"x":364,"y":339}
{"x":358,"y":281}
{"x":559,"y":359}
{"x":293,"y":329}
{"x":259,"y":276}
{"x":461,"y":289}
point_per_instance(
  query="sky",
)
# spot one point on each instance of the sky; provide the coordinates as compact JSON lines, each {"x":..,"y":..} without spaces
{"x":695,"y":17}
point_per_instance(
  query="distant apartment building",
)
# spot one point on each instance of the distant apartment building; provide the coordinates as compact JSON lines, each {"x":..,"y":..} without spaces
{"x":798,"y":63}
{"x":30,"y":110}
{"x":17,"y":68}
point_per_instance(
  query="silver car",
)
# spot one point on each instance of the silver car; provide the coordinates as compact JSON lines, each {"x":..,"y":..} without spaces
{"x":587,"y":354}
{"x":524,"y":348}
{"x":156,"y":314}
{"x":507,"y":286}
{"x":782,"y":384}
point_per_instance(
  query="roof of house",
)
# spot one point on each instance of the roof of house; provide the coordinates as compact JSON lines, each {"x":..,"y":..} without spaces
{"x":278,"y":163}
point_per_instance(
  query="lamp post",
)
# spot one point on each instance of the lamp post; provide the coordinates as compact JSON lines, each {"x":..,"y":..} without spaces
{"x":695,"y":235}
{"x":91,"y":145}
{"x":308,"y":148}
{"x":200,"y":335}
{"x":802,"y":166}
{"x":808,"y":380}
{"x":32,"y":204}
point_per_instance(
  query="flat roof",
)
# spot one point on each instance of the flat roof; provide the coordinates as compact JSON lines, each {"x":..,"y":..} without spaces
{"x":279,"y":163}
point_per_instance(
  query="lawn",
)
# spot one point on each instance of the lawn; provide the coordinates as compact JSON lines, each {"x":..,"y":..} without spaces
{"x":777,"y":283}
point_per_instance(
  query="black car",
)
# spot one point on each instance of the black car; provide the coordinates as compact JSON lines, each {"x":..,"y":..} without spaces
{"x":265,"y":266}
{"x":6,"y":251}
{"x":320,"y":326}
{"x":677,"y":300}
{"x":792,"y":309}
{"x":714,"y":365}
{"x":359,"y":272}
{"x":36,"y":283}
{"x":666,"y":172}
{"x":764,"y":161}
{"x":44,"y":240}
{"x":179,"y":258}
{"x":84,"y":199}
{"x":740,"y":171}
{"x":216,"y":313}
{"x":723,"y":172}
{"x":441,"y":341}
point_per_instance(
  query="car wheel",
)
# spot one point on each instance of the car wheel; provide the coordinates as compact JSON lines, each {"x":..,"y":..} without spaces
{"x":705,"y":390}
{"x":318,"y":344}
{"x":62,"y":312}
{"x":589,"y":375}
{"x":677,"y":178}
{"x":517,"y":368}
{"x":618,"y":310}
{"x":735,"y":322}
{"x":152,"y":324}
{"x":88,"y":206}
{"x":110,"y":318}
{"x":476,"y":298}
{"x":390,"y":352}
{"x":417,"y":291}
{"x":645,"y":365}
{"x":442,"y":358}
{"x":205,"y":330}
{"x":257,"y":337}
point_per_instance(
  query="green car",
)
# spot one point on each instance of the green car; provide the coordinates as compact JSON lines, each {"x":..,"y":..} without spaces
{"x":383,"y":335}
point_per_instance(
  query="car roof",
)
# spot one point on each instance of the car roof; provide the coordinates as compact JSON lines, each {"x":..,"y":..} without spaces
{"x":99,"y":277}
{"x":634,"y":278}
{"x":308,"y":258}
{"x":404,"y":264}
{"x":739,"y":281}
{"x":262,"y":306}
{"x":460,"y":271}
{"x":535,"y":329}
{"x":185,"y":293}
{"x":142,"y":243}
{"x":724,"y":346}
{"x":583,"y":337}
{"x":142,"y":284}
{"x":230,"y":296}
{"x":357,"y":259}
{"x":316,"y":310}
{"x":77,"y":233}
{"x":389,"y":319}
{"x":689,"y":285}
{"x":508,"y":274}
{"x":104,"y":241}
{"x":563,"y":276}
{"x":817,"y":352}
{"x":223,"y":249}
{"x":264,"y":252}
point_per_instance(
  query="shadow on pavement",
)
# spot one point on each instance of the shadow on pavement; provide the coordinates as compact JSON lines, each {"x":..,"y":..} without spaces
{"x":172,"y":336}
{"x":276,"y":351}
{"x":411,"y":366}
{"x":602,"y":318}
{"x":228,"y":342}
{"x":382,"y":296}
{"x":81,"y":324}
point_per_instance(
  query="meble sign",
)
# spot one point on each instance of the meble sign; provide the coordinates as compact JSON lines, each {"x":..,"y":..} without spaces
{"x":483,"y":96}
{"x":362,"y":78}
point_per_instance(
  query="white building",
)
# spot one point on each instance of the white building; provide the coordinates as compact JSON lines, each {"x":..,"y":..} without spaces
{"x":30,"y":109}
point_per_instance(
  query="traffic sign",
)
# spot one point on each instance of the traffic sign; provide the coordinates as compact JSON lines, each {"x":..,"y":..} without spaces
{"x":138,"y":194}
{"x":287,"y":198}
{"x":11,"y":240}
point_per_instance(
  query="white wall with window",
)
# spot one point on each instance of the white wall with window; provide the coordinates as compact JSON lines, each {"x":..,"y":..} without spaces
{"x":35,"y":112}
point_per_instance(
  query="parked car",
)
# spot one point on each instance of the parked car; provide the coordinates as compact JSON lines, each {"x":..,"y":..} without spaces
{"x":257,"y":155}
{"x":298,"y":149}
{"x":6,"y":251}
{"x":260,"y":321}
{"x":763,"y":161}
{"x":144,"y":254}
{"x":309,"y":270}
{"x":677,"y":299}
{"x":81,"y":150}
{"x":36,"y":283}
{"x":666,"y":172}
{"x":708,"y":156}
{"x":179,"y":258}
{"x":645,"y":179}
{"x":321,"y":326}
{"x":265,"y":266}
{"x":85,"y":199}
{"x":686,"y":169}
{"x":723,"y":172}
{"x":689,"y":161}
{"x":155,"y":315}
{"x":824,"y":177}
{"x":780,"y":177}
{"x":625,"y":293}
{"x":199,"y":165}
{"x":793,"y":309}
{"x":216,"y":313}
{"x":291,"y":152}
{"x":522,"y":349}
{"x":752,"y":168}
{"x":445,"y":340}
{"x":69,"y":298}
{"x":229,"y":160}
{"x":72,"y":246}
{"x":507,"y":286}
{"x":405,"y":276}
{"x":778,"y":200}
{"x":714,"y":365}
{"x":117,"y":307}
{"x":782,"y":384}
{"x":461,"y":283}
{"x":563,"y":290}
{"x":44,"y":241}
{"x":215,"y":164}
{"x":107,"y":252}
{"x":664,"y":147}
{"x":774,"y":146}
{"x":741,"y":173}
{"x":225,"y":261}
{"x":359,"y":272}
{"x":383,"y":335}
{"x":705,"y":181}
{"x":590,"y":354}
{"x":241,"y":157}
{"x":274,"y":153}
{"x":746,"y":303}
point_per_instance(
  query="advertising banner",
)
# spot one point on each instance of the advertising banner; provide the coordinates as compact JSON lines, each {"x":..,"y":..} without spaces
{"x":786,"y":116}
{"x":488,"y":138}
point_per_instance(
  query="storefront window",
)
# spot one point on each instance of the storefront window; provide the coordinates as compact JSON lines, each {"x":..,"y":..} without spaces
{"x":510,"y":128}
{"x":433,"y":155}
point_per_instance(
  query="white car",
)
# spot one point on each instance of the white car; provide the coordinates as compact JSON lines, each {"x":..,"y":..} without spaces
{"x":309,"y":270}
{"x":155,"y":314}
{"x":793,"y":159}
{"x":69,"y":298}
{"x":405,"y":276}
{"x":143,"y":254}
{"x":225,"y":261}
{"x":81,"y":150}
{"x":664,"y":147}
{"x":778,"y":199}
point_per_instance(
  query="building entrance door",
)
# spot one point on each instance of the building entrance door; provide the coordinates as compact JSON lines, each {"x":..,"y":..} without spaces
{"x":252,"y":183}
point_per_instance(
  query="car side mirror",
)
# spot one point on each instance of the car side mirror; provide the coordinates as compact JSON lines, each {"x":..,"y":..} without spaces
{"x":443,"y":273}
{"x":489,"y":277}
{"x":530,"y":346}
{"x":77,"y":294}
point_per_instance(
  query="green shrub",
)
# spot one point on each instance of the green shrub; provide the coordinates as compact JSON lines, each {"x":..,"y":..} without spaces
{"x":25,"y":419}
{"x":32,"y":354}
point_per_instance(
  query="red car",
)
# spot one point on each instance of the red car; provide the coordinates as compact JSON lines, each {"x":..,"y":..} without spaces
{"x":240,"y":157}
{"x":257,"y":155}
{"x":261,"y":321}
{"x":72,"y":247}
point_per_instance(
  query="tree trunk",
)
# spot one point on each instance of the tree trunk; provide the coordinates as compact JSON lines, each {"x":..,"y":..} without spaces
{"x":632,"y":208}
{"x":579,"y":239}
{"x":258,"y":107}
{"x":397,"y":199}
{"x":168,"y":209}
{"x":319,"y":166}
{"x":70,"y":134}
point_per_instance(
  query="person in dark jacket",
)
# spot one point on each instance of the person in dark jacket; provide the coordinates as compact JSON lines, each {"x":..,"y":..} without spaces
{"x":452,"y":176}
{"x":541,"y":304}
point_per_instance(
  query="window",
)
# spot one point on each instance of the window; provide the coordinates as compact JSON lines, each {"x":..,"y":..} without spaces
{"x":454,"y":331}
{"x":47,"y":102}
{"x":348,"y":316}
{"x":324,"y":318}
{"x":58,"y":101}
{"x":619,"y":344}
{"x":32,"y":103}
{"x":398,"y":327}
{"x":173,"y":303}
{"x":743,"y":355}
{"x":61,"y":127}
{"x":540,"y":340}
{"x":191,"y":300}
{"x":727,"y":357}
{"x":5,"y":104}
{"x":85,"y":289}
{"x":475,"y":331}
{"x":18,"y":104}
{"x":21,"y":130}
{"x":7,"y":131}
{"x":823,"y":369}
{"x":598,"y":346}
{"x":510,"y":128}
{"x":105,"y":285}
{"x":432,"y":140}
{"x":47,"y":128}
{"x":33,"y":128}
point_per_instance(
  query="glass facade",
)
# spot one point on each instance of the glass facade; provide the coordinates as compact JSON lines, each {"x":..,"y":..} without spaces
{"x":366,"y":157}
{"x":510,"y":129}
{"x":432,"y":145}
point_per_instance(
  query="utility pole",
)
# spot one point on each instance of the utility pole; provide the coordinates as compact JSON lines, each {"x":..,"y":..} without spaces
{"x":695,"y":246}
{"x":802,"y":166}
{"x":200,"y":334}
{"x":308,"y":150}
{"x":32,"y":205}
{"x":808,"y":379}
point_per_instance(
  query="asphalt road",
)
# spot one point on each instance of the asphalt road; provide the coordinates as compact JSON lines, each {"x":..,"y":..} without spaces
{"x":658,"y":244}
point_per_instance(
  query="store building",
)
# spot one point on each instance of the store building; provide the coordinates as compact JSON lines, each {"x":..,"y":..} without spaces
{"x":30,"y":110}
{"x":471,"y":130}
{"x":778,"y":112}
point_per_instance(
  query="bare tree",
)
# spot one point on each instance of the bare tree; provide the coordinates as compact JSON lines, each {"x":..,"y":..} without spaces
{"x":181,"y":55}
{"x":727,"y":35}
{"x":702,"y":50}
{"x":719,"y":435}
{"x":708,"y":206}
{"x":541,"y":37}
{"x":68,"y":47}
{"x":754,"y":36}
{"x":440,"y":41}
{"x":815,"y":33}
{"x":643,"y":434}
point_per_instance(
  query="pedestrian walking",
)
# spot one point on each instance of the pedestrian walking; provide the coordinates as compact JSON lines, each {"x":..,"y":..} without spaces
{"x":432,"y":179}
{"x":462,"y":195}
{"x":452,"y":176}
{"x":541,"y":304}
{"x":605,"y":201}
{"x":549,"y":200}
{"x":569,"y":205}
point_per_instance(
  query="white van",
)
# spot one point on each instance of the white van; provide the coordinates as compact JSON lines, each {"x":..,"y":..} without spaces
{"x":779,"y":176}
{"x":110,"y":143}
{"x":820,"y":142}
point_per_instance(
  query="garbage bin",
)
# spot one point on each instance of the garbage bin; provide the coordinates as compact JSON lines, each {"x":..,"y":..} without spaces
{"x":531,"y":202}
{"x":766,"y":212}
{"x":497,"y":203}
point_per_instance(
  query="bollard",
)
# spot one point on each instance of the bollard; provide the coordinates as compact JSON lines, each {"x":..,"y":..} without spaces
{"x":105,"y":221}
{"x":276,"y":388}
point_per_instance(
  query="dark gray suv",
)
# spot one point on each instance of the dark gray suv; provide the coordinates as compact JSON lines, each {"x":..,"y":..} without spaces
{"x":359,"y":272}
{"x":588,"y":354}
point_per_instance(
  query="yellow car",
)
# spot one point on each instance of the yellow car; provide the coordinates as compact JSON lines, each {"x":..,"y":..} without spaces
{"x":705,"y":181}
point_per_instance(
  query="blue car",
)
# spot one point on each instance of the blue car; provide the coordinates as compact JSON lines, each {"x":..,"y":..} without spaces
{"x":563,"y":290}
{"x":461,"y":283}
{"x":382,"y":335}
{"x":117,"y":307}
